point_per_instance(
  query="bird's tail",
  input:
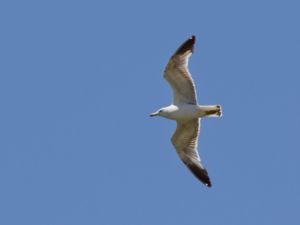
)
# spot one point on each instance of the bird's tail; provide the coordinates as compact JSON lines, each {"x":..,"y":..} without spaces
{"x":211,"y":111}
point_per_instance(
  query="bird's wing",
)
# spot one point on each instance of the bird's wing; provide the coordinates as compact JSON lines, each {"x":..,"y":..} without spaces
{"x":185,"y":140}
{"x":178,"y":75}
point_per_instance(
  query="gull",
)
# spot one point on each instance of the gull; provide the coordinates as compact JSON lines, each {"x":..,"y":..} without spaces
{"x":186,"y":111}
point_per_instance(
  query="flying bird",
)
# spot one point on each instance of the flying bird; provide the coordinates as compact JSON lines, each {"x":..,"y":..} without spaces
{"x":186,"y":110}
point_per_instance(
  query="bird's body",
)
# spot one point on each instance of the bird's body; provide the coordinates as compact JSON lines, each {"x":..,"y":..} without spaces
{"x":186,"y":111}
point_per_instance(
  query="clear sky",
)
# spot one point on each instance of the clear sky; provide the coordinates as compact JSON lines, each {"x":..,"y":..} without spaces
{"x":78,"y":80}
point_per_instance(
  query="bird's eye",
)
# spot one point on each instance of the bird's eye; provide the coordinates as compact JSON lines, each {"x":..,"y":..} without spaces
{"x":160,"y":111}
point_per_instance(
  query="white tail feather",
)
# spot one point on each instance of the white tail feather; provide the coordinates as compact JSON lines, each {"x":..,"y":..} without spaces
{"x":210,"y":111}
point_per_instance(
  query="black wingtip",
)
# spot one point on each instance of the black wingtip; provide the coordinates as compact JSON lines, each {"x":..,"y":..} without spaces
{"x":188,"y":45}
{"x":200,"y":173}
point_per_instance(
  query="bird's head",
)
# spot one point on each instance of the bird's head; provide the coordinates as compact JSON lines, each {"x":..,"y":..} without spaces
{"x":160,"y":112}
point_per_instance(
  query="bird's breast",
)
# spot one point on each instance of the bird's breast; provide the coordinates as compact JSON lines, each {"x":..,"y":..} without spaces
{"x":184,"y":112}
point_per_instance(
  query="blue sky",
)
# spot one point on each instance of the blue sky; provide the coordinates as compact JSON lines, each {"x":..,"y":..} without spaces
{"x":78,"y":80}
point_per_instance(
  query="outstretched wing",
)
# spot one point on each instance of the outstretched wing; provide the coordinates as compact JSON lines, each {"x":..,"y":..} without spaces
{"x":185,"y":140}
{"x":178,"y":75}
